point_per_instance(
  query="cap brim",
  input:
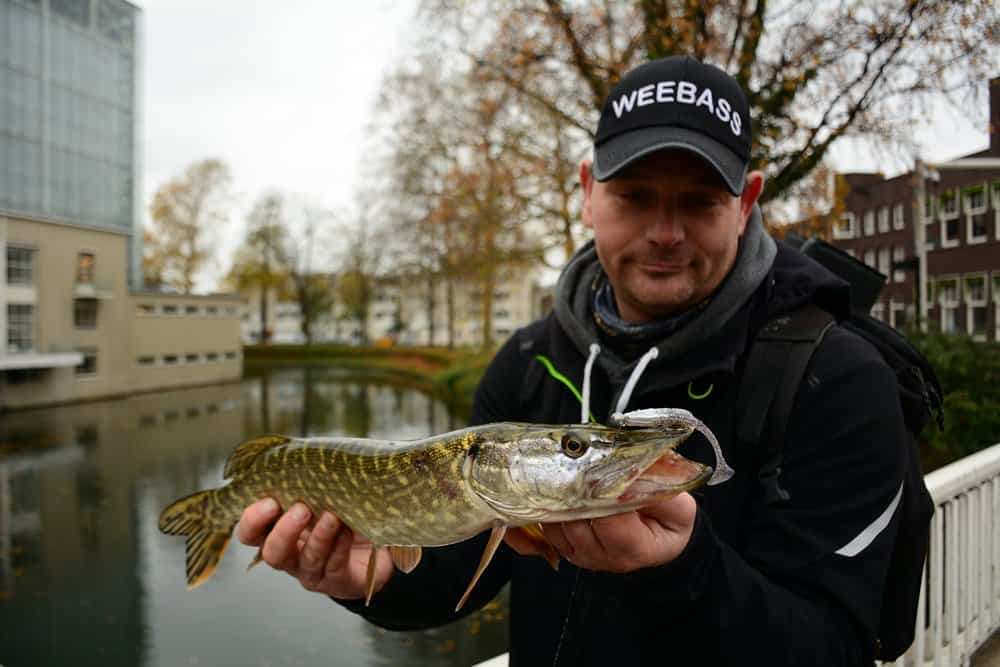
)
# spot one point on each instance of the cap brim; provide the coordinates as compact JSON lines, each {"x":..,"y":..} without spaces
{"x":620,"y":151}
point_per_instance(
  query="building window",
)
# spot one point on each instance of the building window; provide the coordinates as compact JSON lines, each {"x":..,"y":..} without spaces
{"x":20,"y":328}
{"x":870,"y":258}
{"x":169,"y":359}
{"x":884,"y":263}
{"x":878,"y":311}
{"x":949,"y":205}
{"x":85,"y":267}
{"x":168,"y":309}
{"x":948,"y":214}
{"x":89,"y":364}
{"x":211,"y":356}
{"x":898,"y":217}
{"x":146,"y":309}
{"x":948,"y":295}
{"x":85,"y":313}
{"x":974,"y":291}
{"x":844,"y":228}
{"x":230,"y":355}
{"x":146,"y":360}
{"x":883,"y":219}
{"x":869,"y":223}
{"x":898,"y":256}
{"x":897,"y":314}
{"x":974,"y":205}
{"x":995,"y":203}
{"x":20,"y":266}
{"x":191,"y":309}
{"x":214,"y":310}
{"x":77,"y":11}
{"x":192,"y":358}
{"x":996,"y":304}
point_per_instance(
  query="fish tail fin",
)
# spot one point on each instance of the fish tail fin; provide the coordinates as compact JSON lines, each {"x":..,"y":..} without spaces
{"x":206,"y":542}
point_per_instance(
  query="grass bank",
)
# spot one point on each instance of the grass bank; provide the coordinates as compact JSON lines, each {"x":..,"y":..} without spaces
{"x":450,"y":374}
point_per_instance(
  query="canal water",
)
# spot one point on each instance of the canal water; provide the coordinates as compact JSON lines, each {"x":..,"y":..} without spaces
{"x":87,"y":579}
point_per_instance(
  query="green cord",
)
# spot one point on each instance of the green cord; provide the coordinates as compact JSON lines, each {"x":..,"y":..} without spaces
{"x":562,"y":378}
{"x":698,"y":397}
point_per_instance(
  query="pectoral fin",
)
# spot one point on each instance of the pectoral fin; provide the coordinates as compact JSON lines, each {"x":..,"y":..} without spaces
{"x":405,"y":559}
{"x":534,"y":534}
{"x":370,"y":581}
{"x":496,"y":537}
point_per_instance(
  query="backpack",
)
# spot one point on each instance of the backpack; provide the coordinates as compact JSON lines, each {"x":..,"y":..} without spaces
{"x":775,"y":367}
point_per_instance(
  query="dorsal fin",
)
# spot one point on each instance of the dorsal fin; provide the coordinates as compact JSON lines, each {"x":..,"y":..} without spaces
{"x":245,"y":453}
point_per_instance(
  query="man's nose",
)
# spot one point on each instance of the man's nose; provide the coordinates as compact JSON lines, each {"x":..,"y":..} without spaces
{"x":667,"y":229}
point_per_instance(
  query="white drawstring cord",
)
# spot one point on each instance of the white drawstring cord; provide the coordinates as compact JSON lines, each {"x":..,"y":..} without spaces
{"x":633,"y":379}
{"x":595,"y":350}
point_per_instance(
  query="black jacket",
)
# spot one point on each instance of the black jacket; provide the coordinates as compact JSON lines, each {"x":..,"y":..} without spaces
{"x":757,"y":584}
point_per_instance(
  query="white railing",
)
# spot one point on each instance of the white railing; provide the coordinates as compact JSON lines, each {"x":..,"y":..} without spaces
{"x":962,"y":609}
{"x":960,"y":600}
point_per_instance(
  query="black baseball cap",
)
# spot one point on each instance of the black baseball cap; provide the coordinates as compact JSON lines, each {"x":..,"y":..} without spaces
{"x":675,"y":102}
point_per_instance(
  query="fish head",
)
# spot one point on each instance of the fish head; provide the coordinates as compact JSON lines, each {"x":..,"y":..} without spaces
{"x":543,"y":473}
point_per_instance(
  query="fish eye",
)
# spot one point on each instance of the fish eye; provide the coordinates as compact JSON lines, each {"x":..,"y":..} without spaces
{"x":573,"y":446}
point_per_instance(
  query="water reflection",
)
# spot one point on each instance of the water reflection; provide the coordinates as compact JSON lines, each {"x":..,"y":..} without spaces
{"x":87,"y":579}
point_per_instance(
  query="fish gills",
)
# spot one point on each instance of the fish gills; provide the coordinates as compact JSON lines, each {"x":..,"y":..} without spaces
{"x":205,"y":543}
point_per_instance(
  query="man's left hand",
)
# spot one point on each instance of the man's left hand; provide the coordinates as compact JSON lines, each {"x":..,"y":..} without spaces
{"x":650,"y":536}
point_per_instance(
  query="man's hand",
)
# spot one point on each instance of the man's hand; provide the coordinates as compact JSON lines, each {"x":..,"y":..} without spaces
{"x":648,"y":537}
{"x":325,"y":555}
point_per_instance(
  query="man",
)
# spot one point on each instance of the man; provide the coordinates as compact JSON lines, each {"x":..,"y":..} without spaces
{"x":659,"y":311}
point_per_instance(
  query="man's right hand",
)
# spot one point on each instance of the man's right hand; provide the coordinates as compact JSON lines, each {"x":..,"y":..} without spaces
{"x":325,"y":555}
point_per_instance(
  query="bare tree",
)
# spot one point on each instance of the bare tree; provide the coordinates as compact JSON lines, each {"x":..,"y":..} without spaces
{"x":312,"y":290}
{"x":814,"y":71}
{"x":185,"y":213}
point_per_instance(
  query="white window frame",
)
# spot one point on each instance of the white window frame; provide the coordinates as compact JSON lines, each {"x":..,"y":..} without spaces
{"x":885,"y":262}
{"x":839,"y":233}
{"x":898,"y":255}
{"x":869,"y":219}
{"x":948,"y":214}
{"x":895,"y":306}
{"x":973,"y":303}
{"x":883,"y":219}
{"x":898,"y":217}
{"x":32,"y":268}
{"x":878,"y":311}
{"x":31,"y":325}
{"x":995,"y":203}
{"x":995,"y":291}
{"x":949,"y":307}
{"x":971,"y":211}
{"x":870,"y":259}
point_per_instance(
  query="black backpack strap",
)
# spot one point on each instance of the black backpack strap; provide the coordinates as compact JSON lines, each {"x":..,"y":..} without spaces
{"x":775,"y":367}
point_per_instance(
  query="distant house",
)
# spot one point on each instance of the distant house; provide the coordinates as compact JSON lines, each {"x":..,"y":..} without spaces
{"x":961,"y":217}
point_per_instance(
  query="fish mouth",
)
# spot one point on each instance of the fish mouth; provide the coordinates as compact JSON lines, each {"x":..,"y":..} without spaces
{"x":646,"y":466}
{"x":666,"y":476}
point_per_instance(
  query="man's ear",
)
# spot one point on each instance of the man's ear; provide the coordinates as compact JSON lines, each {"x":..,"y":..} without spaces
{"x":751,"y":193}
{"x":587,"y":183}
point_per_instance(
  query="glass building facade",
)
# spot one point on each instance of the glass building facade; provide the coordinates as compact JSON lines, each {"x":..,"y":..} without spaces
{"x":68,"y":112}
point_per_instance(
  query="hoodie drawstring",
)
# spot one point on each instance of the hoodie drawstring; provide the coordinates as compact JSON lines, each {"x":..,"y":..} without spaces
{"x":595,"y":350}
{"x":633,"y":379}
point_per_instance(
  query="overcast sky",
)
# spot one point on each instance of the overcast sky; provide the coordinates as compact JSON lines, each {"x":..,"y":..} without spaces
{"x":281,"y":92}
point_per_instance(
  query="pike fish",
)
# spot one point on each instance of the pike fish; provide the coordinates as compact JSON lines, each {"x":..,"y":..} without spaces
{"x":443,"y":489}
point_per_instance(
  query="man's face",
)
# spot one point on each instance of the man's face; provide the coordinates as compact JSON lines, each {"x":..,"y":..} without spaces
{"x":666,"y":231}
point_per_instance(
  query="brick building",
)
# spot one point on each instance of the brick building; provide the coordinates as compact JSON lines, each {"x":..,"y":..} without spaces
{"x":960,"y":213}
